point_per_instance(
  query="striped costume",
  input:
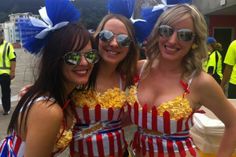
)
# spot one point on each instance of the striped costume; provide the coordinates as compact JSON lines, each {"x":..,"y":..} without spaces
{"x":98,"y":131}
{"x":14,"y":146}
{"x":164,"y":129}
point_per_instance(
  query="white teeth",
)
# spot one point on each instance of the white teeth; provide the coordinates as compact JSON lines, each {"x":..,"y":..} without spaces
{"x":112,"y":52}
{"x":81,"y":71}
{"x":170,"y":49}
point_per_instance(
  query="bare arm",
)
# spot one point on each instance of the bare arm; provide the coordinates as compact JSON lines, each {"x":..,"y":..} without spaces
{"x":211,"y":96}
{"x":13,"y":68}
{"x":226,"y":76}
{"x":43,"y":126}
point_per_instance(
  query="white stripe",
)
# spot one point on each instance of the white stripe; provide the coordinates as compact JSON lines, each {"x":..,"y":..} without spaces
{"x":106,"y":144}
{"x":164,"y":144}
{"x":92,"y":115}
{"x":21,"y":151}
{"x":155,"y":148}
{"x":94,"y":143}
{"x":115,"y":142}
{"x":173,"y":126}
{"x":160,"y":126}
{"x":104,"y":114}
{"x":149,"y":121}
{"x":140,"y":118}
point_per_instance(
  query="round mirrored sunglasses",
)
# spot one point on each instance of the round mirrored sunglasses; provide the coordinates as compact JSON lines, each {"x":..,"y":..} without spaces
{"x":74,"y":58}
{"x":123,"y":40}
{"x":182,"y":34}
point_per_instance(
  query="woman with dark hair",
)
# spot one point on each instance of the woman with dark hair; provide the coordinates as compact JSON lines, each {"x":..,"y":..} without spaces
{"x":42,"y":121}
{"x":98,"y":130}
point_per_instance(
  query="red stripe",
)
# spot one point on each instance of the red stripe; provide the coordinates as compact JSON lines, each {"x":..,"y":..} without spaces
{"x":179,"y":124}
{"x":136,"y":113}
{"x":17,"y":144}
{"x":120,"y":152}
{"x":81,"y":147}
{"x":143,"y":145}
{"x":100,"y":145}
{"x":121,"y":111}
{"x":154,"y":118}
{"x":136,"y":142}
{"x":160,"y":147}
{"x":86,"y":113}
{"x":190,"y":148}
{"x":166,"y":116}
{"x":97,"y":112}
{"x":90,"y":146}
{"x":181,"y":148}
{"x":170,"y":148}
{"x":72,"y":148}
{"x":129,"y":109}
{"x":111,"y":144}
{"x":150,"y":145}
{"x":144,"y":116}
{"x":110,"y":113}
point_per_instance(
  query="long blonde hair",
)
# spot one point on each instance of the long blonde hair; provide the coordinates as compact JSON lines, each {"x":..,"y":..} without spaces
{"x":193,"y":60}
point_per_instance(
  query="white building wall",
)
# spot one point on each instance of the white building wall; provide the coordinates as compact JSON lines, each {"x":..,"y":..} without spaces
{"x":209,"y":6}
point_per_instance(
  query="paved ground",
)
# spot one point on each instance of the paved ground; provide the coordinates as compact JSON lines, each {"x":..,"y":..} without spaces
{"x":24,"y":75}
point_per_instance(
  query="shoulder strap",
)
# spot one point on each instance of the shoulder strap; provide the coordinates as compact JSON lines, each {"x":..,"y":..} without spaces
{"x":142,"y":68}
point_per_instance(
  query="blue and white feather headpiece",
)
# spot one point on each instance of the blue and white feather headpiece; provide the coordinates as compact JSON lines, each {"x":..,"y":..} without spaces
{"x":149,"y":15}
{"x":35,"y":32}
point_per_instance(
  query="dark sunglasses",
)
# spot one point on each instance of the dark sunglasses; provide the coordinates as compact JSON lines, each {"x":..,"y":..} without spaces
{"x":74,"y":58}
{"x":123,"y":40}
{"x":182,"y":34}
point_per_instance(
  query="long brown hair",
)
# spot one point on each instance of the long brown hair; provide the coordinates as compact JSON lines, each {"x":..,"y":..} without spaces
{"x":127,"y":67}
{"x":50,"y":79}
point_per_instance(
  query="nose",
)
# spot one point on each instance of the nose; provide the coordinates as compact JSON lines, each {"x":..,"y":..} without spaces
{"x":83,"y":61}
{"x":173,"y":38}
{"x":113,"y":42}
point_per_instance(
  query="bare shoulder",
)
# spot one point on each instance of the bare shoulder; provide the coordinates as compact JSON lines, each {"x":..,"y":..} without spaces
{"x":46,"y":112}
{"x":140,"y":64}
{"x":206,"y":91}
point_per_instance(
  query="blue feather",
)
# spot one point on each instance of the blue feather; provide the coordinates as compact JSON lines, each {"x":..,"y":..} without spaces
{"x":27,"y":34}
{"x":123,"y":7}
{"x":171,"y":2}
{"x":143,"y":29}
{"x":57,"y":11}
{"x":61,"y":10}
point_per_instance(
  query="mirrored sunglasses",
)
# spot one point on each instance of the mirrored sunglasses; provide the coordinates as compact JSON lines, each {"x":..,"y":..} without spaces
{"x":123,"y":40}
{"x":182,"y":34}
{"x":74,"y":58}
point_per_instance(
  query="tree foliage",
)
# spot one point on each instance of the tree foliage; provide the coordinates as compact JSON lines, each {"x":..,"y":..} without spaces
{"x":92,"y":11}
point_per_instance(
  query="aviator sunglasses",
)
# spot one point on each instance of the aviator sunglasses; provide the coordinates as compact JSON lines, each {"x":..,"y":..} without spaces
{"x":123,"y":40}
{"x":182,"y":34}
{"x":74,"y":58}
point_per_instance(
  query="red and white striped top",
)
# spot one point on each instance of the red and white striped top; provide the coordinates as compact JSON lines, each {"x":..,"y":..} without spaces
{"x":160,"y":129}
{"x":98,"y":131}
{"x":13,"y":145}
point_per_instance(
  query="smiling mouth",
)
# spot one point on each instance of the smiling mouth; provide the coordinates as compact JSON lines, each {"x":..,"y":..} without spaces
{"x":170,"y":49}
